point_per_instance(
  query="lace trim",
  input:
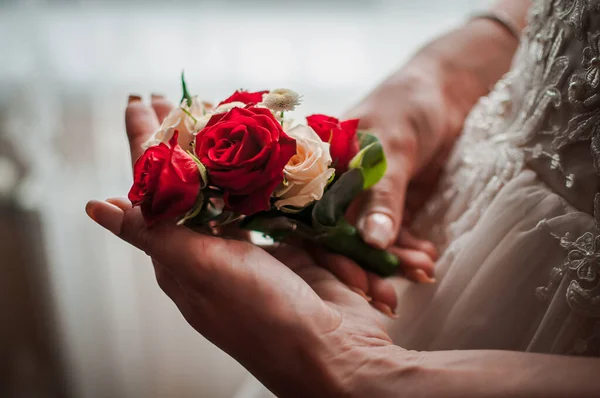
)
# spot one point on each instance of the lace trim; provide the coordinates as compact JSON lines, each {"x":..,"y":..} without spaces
{"x":521,"y":118}
{"x":582,"y":268}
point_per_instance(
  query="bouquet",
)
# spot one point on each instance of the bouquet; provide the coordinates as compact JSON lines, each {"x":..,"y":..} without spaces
{"x":244,"y":160}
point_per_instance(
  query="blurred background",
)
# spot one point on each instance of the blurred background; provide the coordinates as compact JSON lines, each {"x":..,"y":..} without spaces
{"x":80,"y":312}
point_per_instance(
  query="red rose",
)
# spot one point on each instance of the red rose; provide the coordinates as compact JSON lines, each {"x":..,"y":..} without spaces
{"x":246,"y":97}
{"x":244,"y":152}
{"x":166,"y":182}
{"x":341,"y":136}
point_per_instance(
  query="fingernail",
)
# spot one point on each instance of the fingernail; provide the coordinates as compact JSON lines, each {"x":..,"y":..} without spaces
{"x":419,"y":276}
{"x":134,"y":98}
{"x":361,"y":293}
{"x":107,"y":215}
{"x":121,"y":203}
{"x":384,"y":308}
{"x":156,"y":96}
{"x":377,"y":229}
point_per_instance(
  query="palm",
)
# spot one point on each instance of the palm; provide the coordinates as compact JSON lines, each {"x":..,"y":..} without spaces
{"x":244,"y":299}
{"x":250,"y":290}
{"x":296,"y":283}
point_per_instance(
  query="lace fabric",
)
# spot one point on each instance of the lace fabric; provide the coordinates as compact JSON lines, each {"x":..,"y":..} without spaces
{"x":544,"y":116}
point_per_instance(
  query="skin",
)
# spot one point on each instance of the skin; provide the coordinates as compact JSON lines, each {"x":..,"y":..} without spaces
{"x":302,"y":331}
{"x":418,"y":113}
{"x":300,"y":319}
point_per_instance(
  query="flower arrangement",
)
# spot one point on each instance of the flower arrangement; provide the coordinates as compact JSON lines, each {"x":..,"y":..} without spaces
{"x":245,"y":160}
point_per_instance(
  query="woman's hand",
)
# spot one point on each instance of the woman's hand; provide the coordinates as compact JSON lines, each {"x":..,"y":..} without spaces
{"x":418,"y":113}
{"x":302,"y":331}
{"x":287,"y":318}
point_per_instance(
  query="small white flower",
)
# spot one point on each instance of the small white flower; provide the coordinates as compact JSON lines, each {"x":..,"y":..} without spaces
{"x":307,"y":173}
{"x":281,"y":100}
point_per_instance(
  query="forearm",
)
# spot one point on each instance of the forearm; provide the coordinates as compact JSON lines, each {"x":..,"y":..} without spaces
{"x":481,"y":48}
{"x":478,"y":374}
{"x":473,"y":57}
{"x":514,"y":9}
{"x":433,"y":93}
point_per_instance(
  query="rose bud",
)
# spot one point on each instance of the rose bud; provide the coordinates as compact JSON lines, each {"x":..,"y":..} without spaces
{"x":245,"y":97}
{"x":340,"y":135}
{"x":166,"y":182}
{"x":244,"y":152}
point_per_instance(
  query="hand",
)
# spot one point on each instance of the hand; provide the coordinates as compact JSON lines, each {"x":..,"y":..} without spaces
{"x":417,"y":114}
{"x":288,"y":319}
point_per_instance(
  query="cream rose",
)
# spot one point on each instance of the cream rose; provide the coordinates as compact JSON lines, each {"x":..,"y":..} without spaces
{"x":307,"y":173}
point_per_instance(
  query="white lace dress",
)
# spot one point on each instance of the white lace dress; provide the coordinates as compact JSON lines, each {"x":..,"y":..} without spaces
{"x":517,"y":210}
{"x":516,"y":215}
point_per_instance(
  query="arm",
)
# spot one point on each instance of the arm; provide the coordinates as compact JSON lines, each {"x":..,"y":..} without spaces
{"x":419,"y":111}
{"x":303,"y":332}
{"x":481,"y":374}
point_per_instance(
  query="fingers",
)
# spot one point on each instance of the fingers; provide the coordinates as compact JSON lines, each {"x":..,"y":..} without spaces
{"x":381,"y":216}
{"x":407,"y":240}
{"x":377,"y":291}
{"x":345,"y":270}
{"x":416,"y":265}
{"x":383,"y":290}
{"x":161,"y":106}
{"x":140,"y":123}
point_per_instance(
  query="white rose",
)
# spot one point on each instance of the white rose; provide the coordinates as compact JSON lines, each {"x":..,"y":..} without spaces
{"x":186,"y":119}
{"x":307,"y":173}
{"x":189,"y":121}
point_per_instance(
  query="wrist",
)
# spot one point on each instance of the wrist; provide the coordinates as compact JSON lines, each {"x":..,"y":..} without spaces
{"x":300,"y":358}
{"x":391,"y":372}
{"x":471,"y":60}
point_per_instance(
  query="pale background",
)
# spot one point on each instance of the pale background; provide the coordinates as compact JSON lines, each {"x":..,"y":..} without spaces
{"x":66,"y":70}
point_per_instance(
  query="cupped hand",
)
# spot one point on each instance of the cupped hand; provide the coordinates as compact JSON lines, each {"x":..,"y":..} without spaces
{"x":417,"y":122}
{"x":283,"y":315}
{"x":418,"y":113}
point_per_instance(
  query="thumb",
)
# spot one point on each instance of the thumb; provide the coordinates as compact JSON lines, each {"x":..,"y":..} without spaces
{"x":381,"y":213}
{"x":168,"y":244}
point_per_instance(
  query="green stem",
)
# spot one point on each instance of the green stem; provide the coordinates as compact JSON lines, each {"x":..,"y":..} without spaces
{"x":342,"y":239}
{"x":186,"y":95}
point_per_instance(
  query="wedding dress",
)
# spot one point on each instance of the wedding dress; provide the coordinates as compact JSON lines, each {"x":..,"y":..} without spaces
{"x":517,"y":210}
{"x":516,"y":215}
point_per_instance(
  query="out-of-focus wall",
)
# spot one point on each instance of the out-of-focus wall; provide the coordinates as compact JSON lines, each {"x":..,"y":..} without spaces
{"x":67,"y":69}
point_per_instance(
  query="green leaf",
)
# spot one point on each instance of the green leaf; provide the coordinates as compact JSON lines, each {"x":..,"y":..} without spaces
{"x":371,"y":162}
{"x":365,"y":138}
{"x":335,"y":201}
{"x":186,"y":95}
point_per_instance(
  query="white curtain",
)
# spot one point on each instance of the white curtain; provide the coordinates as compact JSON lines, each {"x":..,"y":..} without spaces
{"x":66,"y":71}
